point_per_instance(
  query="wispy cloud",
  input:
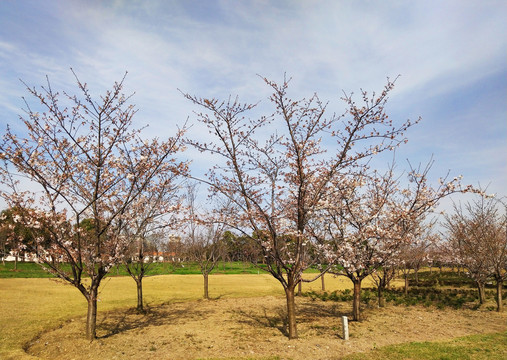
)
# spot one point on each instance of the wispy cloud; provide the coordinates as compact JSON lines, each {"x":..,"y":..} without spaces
{"x":444,"y":50}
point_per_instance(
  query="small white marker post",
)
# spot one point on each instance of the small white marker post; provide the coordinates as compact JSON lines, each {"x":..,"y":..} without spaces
{"x":345,"y":323}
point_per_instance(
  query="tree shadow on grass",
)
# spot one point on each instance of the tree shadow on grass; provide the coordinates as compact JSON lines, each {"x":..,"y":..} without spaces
{"x":305,"y":313}
{"x":116,"y":322}
{"x":278,"y":320}
{"x":324,"y":319}
{"x":308,"y":312}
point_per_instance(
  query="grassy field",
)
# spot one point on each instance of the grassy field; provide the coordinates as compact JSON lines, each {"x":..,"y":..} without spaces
{"x":32,"y":270}
{"x":31,"y":306}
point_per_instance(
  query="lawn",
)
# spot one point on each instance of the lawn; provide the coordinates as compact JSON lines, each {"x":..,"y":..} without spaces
{"x":33,"y":270}
{"x":474,"y":347}
{"x":32,"y":306}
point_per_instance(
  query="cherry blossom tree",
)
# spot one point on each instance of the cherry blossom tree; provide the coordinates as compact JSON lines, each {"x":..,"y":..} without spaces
{"x":413,"y":256}
{"x":382,"y":278}
{"x":78,"y":158}
{"x":139,"y":258}
{"x":470,"y":254}
{"x":477,"y":238}
{"x":441,"y":254}
{"x":373,"y":216}
{"x":276,"y":170}
{"x":204,"y":237}
{"x":153,"y":212}
{"x":13,"y":235}
{"x":497,"y":243}
{"x":4,"y":238}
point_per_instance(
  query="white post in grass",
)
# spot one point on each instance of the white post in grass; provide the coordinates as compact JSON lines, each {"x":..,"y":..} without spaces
{"x":345,"y":323}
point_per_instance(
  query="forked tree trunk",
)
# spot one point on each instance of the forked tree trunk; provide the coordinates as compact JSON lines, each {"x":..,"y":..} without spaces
{"x":356,"y":302}
{"x":499,"y":300}
{"x":291,"y":312}
{"x":206,"y":293}
{"x":383,"y":284}
{"x":482,"y":294}
{"x":91,"y":318}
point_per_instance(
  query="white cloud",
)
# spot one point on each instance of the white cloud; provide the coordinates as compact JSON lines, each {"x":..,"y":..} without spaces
{"x":439,"y":48}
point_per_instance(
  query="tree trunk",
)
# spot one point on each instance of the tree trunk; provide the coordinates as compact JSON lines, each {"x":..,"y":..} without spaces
{"x":406,"y":283}
{"x":291,"y":312}
{"x":323,"y":282}
{"x":16,"y":261}
{"x":91,"y":318}
{"x":300,"y":288}
{"x":206,"y":294}
{"x":416,"y":272}
{"x":357,"y":300}
{"x":139,"y":282}
{"x":499,"y":300}
{"x":381,"y":298}
{"x":482,"y":294}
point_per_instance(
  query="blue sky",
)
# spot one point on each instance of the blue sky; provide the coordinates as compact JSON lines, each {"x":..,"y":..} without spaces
{"x":451,"y":55}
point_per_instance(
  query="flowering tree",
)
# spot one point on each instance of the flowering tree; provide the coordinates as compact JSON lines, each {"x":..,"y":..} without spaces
{"x":440,"y":254}
{"x":373,"y":216}
{"x":276,"y":170}
{"x":413,"y":256}
{"x":204,"y":239}
{"x":76,"y":162}
{"x":139,"y":257}
{"x":477,"y":238}
{"x":152,"y":213}
{"x":15,"y":237}
{"x":382,"y":278}
{"x":12,"y":235}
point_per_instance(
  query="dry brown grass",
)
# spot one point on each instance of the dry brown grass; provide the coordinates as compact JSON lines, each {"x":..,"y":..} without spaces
{"x":255,"y":328}
{"x":31,"y":306}
{"x":245,"y":319}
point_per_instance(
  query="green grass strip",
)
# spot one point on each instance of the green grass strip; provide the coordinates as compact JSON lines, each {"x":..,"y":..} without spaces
{"x":33,"y":270}
{"x":474,"y":347}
